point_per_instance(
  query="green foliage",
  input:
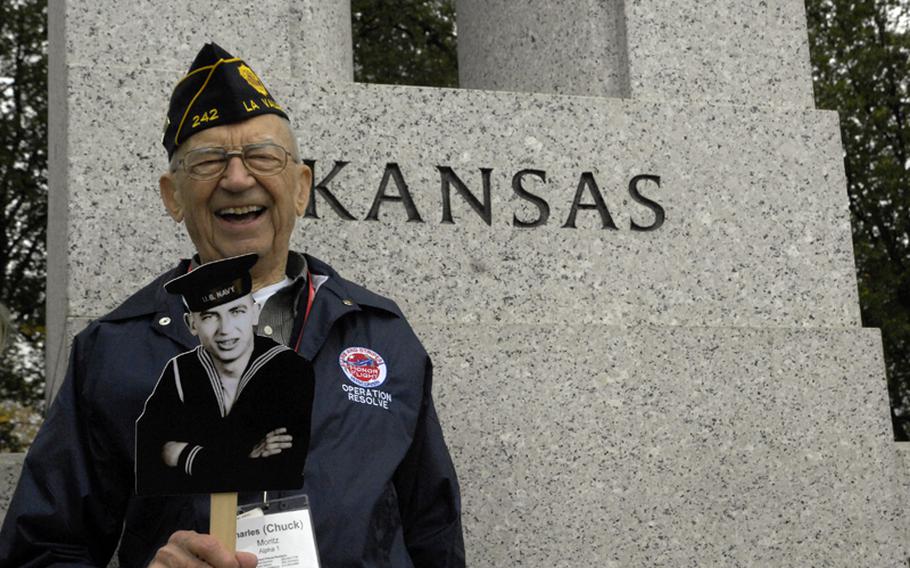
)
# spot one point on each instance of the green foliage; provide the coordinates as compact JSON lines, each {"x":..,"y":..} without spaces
{"x":405,"y":42}
{"x":23,"y":206}
{"x":860,"y":52}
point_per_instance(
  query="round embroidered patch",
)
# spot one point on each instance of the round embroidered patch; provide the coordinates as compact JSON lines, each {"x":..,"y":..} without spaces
{"x":253,"y":79}
{"x":363,"y":366}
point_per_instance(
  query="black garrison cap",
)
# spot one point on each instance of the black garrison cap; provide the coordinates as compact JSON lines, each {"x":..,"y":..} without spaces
{"x":218,"y":89}
{"x":215,"y":283}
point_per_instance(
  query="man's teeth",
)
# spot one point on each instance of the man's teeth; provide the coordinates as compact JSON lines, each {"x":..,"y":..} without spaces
{"x":241,"y":210}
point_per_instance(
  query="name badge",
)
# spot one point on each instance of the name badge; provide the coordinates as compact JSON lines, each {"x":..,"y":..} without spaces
{"x":279,"y":539}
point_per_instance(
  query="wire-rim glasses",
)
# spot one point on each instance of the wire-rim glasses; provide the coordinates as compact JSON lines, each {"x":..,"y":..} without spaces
{"x":265,"y":159}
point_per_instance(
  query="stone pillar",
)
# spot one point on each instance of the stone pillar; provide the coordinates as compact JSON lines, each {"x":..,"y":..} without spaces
{"x":536,"y":46}
{"x":319,"y":39}
{"x":745,"y":53}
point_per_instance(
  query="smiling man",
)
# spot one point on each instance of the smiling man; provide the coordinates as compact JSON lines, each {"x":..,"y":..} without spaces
{"x":380,"y":482}
{"x":232,"y":207}
{"x":226,"y":333}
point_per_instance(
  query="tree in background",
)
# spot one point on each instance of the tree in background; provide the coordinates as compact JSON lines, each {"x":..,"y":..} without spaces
{"x":405,"y":42}
{"x":860,"y":52}
{"x":23,"y":206}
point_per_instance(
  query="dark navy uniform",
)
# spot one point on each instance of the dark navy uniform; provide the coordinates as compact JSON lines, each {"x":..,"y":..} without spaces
{"x":380,"y":481}
{"x":187,"y":405}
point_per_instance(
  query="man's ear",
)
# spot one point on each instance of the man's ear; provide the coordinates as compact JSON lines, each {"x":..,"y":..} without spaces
{"x":167,"y":188}
{"x":304,"y":188}
{"x":190,"y":324}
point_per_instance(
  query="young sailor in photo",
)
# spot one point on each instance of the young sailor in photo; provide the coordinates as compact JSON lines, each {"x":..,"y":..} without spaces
{"x":234,"y":413}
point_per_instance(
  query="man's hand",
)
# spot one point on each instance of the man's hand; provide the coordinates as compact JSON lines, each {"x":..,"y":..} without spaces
{"x":187,"y":548}
{"x":170,"y":452}
{"x":272,"y":444}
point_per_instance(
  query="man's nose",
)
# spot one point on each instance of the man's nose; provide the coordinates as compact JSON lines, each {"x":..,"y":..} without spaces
{"x":228,"y":324}
{"x":236,"y":177}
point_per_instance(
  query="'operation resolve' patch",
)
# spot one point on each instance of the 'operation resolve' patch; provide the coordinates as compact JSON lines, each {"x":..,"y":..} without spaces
{"x":366,"y":369}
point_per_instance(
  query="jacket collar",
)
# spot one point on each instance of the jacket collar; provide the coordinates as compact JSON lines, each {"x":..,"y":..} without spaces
{"x":347,"y":290}
{"x":336,"y":298}
{"x":166,"y":310}
{"x":150,"y":299}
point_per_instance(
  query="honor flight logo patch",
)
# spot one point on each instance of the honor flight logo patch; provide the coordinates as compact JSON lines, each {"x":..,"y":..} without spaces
{"x":364,"y":367}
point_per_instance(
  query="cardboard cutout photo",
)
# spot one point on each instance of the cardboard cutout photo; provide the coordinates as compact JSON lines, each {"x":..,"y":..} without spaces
{"x":234,"y":413}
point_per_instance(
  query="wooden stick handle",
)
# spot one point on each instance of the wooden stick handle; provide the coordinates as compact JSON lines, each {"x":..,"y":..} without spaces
{"x":223,"y":519}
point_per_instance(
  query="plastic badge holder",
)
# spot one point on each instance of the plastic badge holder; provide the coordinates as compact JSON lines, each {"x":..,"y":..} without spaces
{"x":280,"y":532}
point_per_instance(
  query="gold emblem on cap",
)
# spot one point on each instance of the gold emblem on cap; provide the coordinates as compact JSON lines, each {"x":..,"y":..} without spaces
{"x":252,"y":79}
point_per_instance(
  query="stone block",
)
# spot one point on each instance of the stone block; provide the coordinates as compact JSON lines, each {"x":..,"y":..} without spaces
{"x":755,"y":208}
{"x":756,"y":226}
{"x":647,"y":446}
{"x":750,"y":53}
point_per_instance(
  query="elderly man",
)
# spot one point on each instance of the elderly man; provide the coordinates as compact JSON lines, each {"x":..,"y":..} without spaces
{"x":380,"y":482}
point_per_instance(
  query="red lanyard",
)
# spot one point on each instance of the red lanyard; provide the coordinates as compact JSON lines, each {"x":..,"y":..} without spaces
{"x":311,"y":293}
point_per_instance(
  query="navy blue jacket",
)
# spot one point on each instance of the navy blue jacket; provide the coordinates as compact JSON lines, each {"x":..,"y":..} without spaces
{"x":381,"y":484}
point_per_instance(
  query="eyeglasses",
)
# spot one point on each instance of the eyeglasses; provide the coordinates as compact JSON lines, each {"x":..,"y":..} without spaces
{"x":265,"y":159}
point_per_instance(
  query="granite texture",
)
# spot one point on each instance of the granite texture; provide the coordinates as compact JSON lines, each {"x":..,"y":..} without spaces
{"x":320,"y":40}
{"x":604,"y":446}
{"x":533,"y":46}
{"x":756,"y":232}
{"x":752,"y":53}
{"x":57,"y":306}
{"x":903,"y":467}
{"x":10,"y":466}
{"x":276,"y":37}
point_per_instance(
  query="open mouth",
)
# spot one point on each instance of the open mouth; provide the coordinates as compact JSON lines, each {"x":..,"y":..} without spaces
{"x":240,"y":214}
{"x":227,"y":344}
